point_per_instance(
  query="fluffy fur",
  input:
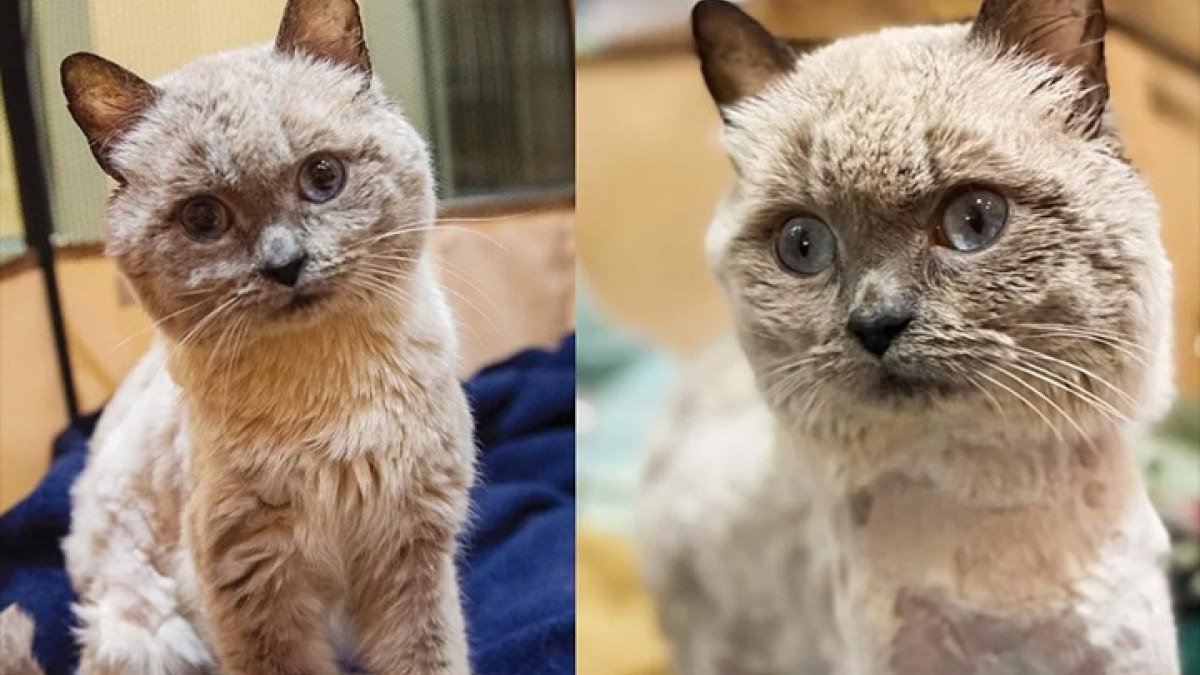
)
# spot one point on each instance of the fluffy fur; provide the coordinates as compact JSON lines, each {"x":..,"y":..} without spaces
{"x":967,"y":504}
{"x":16,"y":643}
{"x":284,"y":476}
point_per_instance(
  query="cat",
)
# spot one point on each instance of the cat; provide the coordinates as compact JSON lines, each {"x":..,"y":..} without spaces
{"x":951,"y":310}
{"x":283,"y":478}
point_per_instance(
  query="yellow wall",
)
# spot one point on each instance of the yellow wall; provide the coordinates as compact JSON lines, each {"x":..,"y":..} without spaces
{"x":152,"y":37}
{"x":10,"y":211}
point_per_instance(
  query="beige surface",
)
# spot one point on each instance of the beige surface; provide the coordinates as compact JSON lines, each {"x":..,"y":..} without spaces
{"x":511,"y":282}
{"x":31,"y":404}
{"x":618,"y":633}
{"x":1159,"y":107}
{"x":650,"y":169}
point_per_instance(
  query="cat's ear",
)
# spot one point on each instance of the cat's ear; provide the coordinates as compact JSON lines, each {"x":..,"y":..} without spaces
{"x":327,"y":29}
{"x":1068,"y":33}
{"x":106,"y":101}
{"x":737,"y":55}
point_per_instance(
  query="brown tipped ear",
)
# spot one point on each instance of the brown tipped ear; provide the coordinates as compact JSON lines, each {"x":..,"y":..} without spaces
{"x":1068,"y":33}
{"x":737,"y":55}
{"x":106,"y":101}
{"x":327,"y":29}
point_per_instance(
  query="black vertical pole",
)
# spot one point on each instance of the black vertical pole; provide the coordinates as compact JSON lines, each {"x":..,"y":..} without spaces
{"x":31,"y":179}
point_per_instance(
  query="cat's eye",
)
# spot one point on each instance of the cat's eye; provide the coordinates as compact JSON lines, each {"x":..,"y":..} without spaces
{"x":322,"y":178}
{"x":805,"y":245}
{"x":972,"y":219}
{"x":204,"y":218}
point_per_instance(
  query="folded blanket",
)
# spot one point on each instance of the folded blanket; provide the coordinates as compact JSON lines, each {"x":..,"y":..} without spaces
{"x":518,"y":563}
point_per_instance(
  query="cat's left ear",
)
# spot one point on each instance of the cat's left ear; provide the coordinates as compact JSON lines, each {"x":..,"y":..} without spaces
{"x":327,"y":29}
{"x":106,"y":101}
{"x":1068,"y":33}
{"x":739,"y":57}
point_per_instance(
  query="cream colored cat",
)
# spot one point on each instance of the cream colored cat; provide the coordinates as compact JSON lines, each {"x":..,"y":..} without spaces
{"x":284,"y":476}
{"x":951,"y":296}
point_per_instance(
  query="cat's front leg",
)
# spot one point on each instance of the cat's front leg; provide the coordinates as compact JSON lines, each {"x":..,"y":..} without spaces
{"x":409,"y":616}
{"x":264,"y":614}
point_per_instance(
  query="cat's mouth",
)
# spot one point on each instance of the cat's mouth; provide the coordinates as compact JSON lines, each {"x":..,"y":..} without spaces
{"x":894,"y":385}
{"x":304,"y":302}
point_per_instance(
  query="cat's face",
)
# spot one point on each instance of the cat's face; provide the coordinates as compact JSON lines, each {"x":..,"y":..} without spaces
{"x":265,"y":186}
{"x":926,"y":219}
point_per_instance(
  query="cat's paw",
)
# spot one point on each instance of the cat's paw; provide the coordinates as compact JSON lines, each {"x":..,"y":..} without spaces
{"x":117,"y":646}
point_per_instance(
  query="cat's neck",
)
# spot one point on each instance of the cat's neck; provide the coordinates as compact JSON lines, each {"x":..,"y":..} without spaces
{"x":1030,"y":551}
{"x":1047,"y":575}
{"x":1068,"y":544}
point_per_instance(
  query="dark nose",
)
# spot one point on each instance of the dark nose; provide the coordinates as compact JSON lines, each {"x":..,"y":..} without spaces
{"x":286,"y":271}
{"x":877,"y":328}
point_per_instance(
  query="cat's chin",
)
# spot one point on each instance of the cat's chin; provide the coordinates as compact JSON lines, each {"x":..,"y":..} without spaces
{"x":892,"y":387}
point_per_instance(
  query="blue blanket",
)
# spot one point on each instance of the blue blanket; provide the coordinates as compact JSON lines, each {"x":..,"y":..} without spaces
{"x":518,"y":566}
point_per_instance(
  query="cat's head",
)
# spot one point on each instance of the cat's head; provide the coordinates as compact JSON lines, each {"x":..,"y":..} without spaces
{"x":270,"y":185}
{"x":937,"y":219}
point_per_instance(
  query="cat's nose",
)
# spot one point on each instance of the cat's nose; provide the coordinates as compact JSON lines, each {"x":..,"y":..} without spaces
{"x":876,"y":328}
{"x":286,"y":270}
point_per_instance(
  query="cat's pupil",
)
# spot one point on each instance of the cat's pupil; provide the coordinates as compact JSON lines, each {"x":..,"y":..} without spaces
{"x":323,"y":174}
{"x":204,"y":216}
{"x":976,"y":219}
{"x":805,"y":243}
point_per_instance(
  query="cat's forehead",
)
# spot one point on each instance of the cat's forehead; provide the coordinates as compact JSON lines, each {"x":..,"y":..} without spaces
{"x":891,"y":113}
{"x":246,"y":116}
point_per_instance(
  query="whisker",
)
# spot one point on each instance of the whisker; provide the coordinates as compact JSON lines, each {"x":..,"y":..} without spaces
{"x":156,"y":324}
{"x":1091,"y":332}
{"x":1081,"y":370}
{"x":1026,"y":401}
{"x":1088,"y":397}
{"x":1049,"y":401}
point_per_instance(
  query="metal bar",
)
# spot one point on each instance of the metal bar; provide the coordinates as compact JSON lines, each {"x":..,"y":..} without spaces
{"x":433,"y":115}
{"x":31,"y":181}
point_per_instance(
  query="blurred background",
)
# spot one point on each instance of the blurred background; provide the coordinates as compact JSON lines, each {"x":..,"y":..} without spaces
{"x":651,"y":168}
{"x":490,"y":85}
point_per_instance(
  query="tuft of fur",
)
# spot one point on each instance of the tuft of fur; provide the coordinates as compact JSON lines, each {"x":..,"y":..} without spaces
{"x":16,"y":643}
{"x":986,"y":517}
{"x":288,"y":469}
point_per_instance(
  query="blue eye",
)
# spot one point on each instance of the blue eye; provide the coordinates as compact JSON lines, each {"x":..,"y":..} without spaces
{"x":805,"y":245}
{"x":972,"y":220}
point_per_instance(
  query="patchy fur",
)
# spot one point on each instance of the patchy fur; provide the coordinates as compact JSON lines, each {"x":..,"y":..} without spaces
{"x":967,"y":503}
{"x":287,"y":470}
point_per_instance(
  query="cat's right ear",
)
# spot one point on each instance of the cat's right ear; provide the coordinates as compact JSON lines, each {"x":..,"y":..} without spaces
{"x":106,"y":101}
{"x":326,"y":29}
{"x":738,"y":56}
{"x":1067,"y":33}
